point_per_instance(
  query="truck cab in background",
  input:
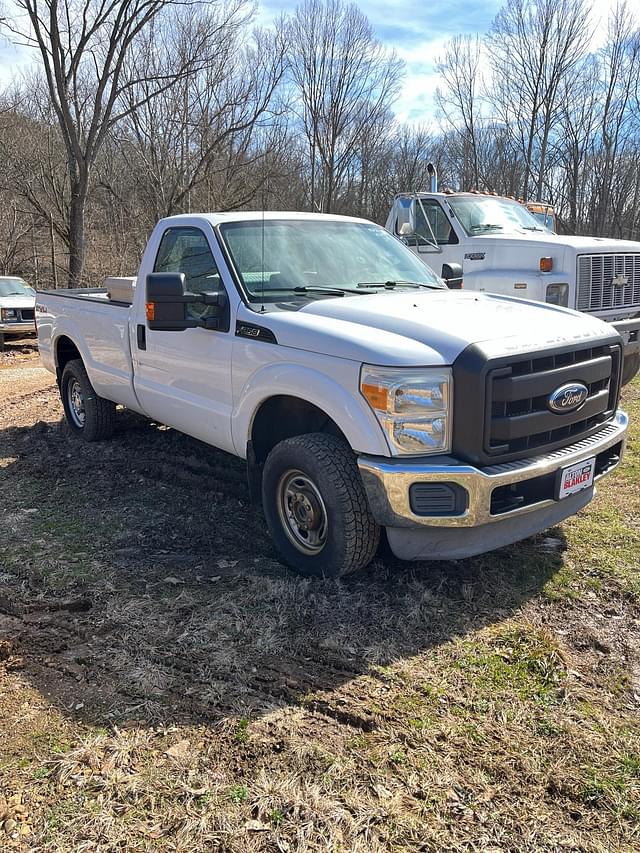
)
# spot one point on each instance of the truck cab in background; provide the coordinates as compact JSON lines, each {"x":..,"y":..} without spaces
{"x":544,"y":214}
{"x":486,"y":242}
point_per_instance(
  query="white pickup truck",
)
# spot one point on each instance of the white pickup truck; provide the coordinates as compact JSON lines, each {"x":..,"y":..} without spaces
{"x":496,"y":244}
{"x":363,"y":394}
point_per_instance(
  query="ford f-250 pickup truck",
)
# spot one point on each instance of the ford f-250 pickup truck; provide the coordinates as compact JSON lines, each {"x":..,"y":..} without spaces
{"x":363,"y":394}
{"x":496,"y":244}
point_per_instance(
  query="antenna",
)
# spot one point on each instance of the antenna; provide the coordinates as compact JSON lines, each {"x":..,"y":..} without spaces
{"x":262,"y":261}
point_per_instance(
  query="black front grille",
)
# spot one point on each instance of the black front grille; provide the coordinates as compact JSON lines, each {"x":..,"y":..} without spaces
{"x":509,"y":401}
{"x":26,"y":314}
{"x":517,"y":396}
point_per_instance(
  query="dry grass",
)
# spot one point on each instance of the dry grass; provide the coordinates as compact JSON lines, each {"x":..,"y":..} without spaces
{"x":167,"y":685}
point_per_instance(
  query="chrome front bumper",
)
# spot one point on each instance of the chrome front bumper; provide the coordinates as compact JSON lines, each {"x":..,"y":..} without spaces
{"x":387,"y":481}
{"x":18,"y":329}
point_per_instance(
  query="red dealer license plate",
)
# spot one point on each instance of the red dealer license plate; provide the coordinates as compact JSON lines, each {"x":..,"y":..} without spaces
{"x":576,"y":477}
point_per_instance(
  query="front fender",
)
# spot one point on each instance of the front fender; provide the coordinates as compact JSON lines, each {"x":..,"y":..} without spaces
{"x":348,"y":410}
{"x":506,"y":281}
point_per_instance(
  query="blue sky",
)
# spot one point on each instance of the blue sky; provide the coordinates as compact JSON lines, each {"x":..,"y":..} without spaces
{"x":418,"y":31}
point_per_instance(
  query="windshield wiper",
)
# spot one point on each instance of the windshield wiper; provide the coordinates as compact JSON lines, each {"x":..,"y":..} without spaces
{"x":486,"y":226}
{"x":391,"y":285}
{"x":336,"y":291}
{"x":533,"y":228}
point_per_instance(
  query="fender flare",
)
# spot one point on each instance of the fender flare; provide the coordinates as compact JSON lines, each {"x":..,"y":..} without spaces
{"x":351,"y":413}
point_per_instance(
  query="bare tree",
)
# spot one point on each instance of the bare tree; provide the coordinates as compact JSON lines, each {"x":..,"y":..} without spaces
{"x":345,"y":79}
{"x":85,"y":46}
{"x":460,"y":100}
{"x":573,"y":147}
{"x":206,"y":122}
{"x":620,"y":79}
{"x":533,"y":48}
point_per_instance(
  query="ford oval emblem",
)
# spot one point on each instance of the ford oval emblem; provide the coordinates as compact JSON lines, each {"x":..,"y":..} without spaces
{"x":568,"y":397}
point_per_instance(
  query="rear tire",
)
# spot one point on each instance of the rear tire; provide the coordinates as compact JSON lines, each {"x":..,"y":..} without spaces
{"x":316,"y":507}
{"x":89,"y":416}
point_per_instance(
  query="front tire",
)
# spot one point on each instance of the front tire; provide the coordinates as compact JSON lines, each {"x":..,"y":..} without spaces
{"x":316,"y":507}
{"x":89,"y":416}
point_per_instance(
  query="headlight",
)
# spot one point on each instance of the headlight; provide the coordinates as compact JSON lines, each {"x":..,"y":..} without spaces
{"x":413,"y":407}
{"x":558,"y":294}
{"x":9,"y":314}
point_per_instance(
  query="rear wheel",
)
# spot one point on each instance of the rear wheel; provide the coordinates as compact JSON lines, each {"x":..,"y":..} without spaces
{"x":316,"y":506}
{"x":89,"y":416}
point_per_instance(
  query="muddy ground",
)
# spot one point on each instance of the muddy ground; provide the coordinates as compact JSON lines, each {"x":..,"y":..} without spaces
{"x":166,"y":684}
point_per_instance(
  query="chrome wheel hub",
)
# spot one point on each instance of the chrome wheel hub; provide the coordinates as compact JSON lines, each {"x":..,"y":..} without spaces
{"x":76,"y":403}
{"x":302,"y":512}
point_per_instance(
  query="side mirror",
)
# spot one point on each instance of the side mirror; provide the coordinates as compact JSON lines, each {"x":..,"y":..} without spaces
{"x":406,"y":222}
{"x":452,"y":274}
{"x":217,"y":302}
{"x":166,"y":304}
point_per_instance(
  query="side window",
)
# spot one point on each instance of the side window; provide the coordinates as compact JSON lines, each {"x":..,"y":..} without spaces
{"x":437,"y":218}
{"x":186,"y":250}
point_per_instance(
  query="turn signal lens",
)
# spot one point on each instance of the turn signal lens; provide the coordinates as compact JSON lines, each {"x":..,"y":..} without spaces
{"x":376,"y":395}
{"x":151,"y":310}
{"x":546,"y":264}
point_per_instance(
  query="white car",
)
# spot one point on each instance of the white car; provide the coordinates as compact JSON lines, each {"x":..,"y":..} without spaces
{"x":17,"y":308}
{"x":362,"y":393}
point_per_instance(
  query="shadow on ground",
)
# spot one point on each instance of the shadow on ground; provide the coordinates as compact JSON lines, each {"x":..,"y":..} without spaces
{"x":17,"y":347}
{"x":137,"y":583}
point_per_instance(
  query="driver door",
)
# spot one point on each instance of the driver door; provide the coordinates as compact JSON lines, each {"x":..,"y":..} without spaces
{"x":183,"y":379}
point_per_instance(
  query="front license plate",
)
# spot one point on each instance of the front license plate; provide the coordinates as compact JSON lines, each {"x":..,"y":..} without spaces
{"x":576,"y":477}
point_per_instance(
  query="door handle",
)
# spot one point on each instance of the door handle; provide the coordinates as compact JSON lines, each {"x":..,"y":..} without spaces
{"x":141,"y":335}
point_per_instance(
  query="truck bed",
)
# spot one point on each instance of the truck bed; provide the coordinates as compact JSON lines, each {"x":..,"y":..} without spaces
{"x":99,"y":329}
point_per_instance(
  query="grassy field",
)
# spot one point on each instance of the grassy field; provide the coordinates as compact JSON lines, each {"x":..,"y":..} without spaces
{"x":166,"y":685}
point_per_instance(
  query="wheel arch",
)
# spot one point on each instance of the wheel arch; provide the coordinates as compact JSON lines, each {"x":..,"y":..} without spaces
{"x":283,"y":416}
{"x":65,"y":350}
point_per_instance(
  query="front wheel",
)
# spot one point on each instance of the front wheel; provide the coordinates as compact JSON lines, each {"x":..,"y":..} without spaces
{"x":89,"y":416}
{"x":316,"y":507}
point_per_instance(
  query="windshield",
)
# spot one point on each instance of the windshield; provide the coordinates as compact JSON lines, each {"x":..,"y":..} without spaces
{"x":544,"y":219}
{"x":486,"y":214}
{"x":15,"y":287}
{"x":315,"y":255}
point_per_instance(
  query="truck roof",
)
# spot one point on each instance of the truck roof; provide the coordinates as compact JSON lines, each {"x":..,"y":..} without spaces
{"x":252,"y":215}
{"x":457,"y":194}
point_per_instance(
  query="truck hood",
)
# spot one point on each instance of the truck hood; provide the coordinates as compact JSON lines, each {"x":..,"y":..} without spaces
{"x":428,"y":327}
{"x":539,"y":241}
{"x":17,"y":301}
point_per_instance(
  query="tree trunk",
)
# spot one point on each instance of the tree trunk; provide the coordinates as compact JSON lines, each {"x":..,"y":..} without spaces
{"x":79,"y":190}
{"x":54,"y":270}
